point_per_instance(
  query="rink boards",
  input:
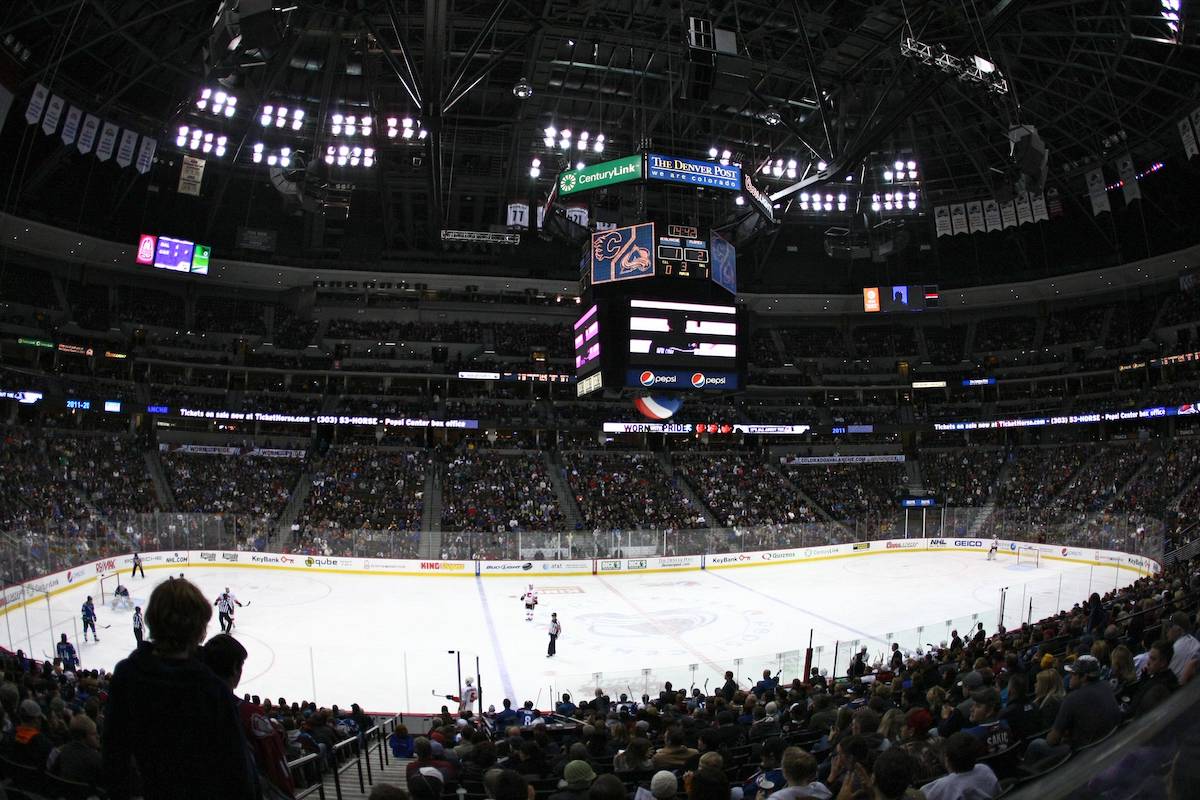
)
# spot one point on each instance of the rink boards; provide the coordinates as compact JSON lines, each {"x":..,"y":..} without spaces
{"x":18,"y":595}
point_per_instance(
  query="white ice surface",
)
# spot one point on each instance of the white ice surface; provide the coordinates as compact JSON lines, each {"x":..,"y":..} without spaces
{"x":382,"y":640}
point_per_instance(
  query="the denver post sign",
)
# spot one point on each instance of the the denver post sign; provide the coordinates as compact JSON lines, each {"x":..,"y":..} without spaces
{"x":600,"y":175}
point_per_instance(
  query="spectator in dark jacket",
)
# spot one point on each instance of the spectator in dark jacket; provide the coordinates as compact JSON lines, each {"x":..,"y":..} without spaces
{"x":171,"y":714}
{"x":79,"y":759}
{"x":1159,"y":682}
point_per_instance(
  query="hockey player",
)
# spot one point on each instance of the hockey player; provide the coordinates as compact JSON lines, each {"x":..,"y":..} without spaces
{"x":137,"y":624}
{"x":470,"y":696}
{"x":530,"y":600}
{"x":88,"y":612}
{"x":225,"y":606}
{"x":995,"y":548}
{"x":66,"y":654}
{"x":121,"y":597}
{"x":554,"y":630}
{"x":137,"y":567}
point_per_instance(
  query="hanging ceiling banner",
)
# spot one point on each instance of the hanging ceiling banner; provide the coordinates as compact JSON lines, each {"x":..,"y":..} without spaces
{"x":991,"y":214}
{"x":958,"y":218}
{"x":1189,"y":138}
{"x":71,"y":126}
{"x":1037,"y":201}
{"x":145,"y":156}
{"x":1098,"y":192}
{"x":517,"y":216}
{"x":87,"y":134}
{"x":108,"y":140}
{"x":53,"y":115}
{"x":1129,"y":182}
{"x":975,"y":216}
{"x":37,"y":104}
{"x":941,"y":221}
{"x":1024,"y":214}
{"x":125,"y":150}
{"x":1008,"y":214}
{"x":191,"y":175}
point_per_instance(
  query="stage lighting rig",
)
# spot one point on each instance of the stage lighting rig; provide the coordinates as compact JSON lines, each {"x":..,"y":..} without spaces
{"x":206,"y":142}
{"x":281,"y":117}
{"x":406,"y":128}
{"x":976,"y":70}
{"x":217,"y":101}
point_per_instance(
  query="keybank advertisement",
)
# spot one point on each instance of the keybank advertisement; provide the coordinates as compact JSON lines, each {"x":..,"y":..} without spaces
{"x":680,"y":379}
{"x":694,"y":173}
{"x":606,"y":173}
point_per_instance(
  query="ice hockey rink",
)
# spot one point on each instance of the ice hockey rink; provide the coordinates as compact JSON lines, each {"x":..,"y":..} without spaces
{"x":386,"y":641}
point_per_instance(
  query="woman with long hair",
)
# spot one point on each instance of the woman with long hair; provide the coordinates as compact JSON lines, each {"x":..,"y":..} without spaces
{"x":1048,"y":695}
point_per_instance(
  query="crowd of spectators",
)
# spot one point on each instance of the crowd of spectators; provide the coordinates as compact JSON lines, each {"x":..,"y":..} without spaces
{"x":945,"y":344}
{"x":230,"y":315}
{"x":964,"y":478}
{"x":1004,"y":333}
{"x":1092,"y":489}
{"x":256,"y":487}
{"x":851,"y":492}
{"x":359,"y":487}
{"x":1166,"y":474}
{"x":485,"y":490}
{"x":741,"y":490}
{"x":109,"y":471}
{"x":628,"y":491}
{"x":1039,"y":474}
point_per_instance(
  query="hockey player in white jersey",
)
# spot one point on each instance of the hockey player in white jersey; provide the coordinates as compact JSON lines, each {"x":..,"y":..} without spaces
{"x":470,"y":696}
{"x":530,"y":600}
{"x":994,"y":549}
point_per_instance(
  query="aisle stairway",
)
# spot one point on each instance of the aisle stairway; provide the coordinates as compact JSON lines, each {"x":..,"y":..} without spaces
{"x":431,"y":513}
{"x":686,"y":489}
{"x":562,"y":491}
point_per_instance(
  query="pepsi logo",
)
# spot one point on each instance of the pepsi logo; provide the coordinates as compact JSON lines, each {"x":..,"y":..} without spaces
{"x":647,"y":378}
{"x":698,"y":380}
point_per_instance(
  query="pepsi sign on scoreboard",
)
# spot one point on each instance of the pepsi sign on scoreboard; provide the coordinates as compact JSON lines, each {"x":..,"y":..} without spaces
{"x":684,"y":380}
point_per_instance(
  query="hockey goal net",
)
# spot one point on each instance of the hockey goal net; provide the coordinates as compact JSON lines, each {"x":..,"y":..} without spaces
{"x":108,"y":586}
{"x":1029,"y":555}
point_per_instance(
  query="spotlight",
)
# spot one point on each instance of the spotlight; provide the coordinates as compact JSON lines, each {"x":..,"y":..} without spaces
{"x":772,"y":116}
{"x":522,"y":89}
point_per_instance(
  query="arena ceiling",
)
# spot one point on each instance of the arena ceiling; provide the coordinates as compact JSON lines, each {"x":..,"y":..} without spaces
{"x":1094,"y":78}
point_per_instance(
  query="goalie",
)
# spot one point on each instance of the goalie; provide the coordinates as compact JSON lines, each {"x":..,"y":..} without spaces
{"x":121,"y":599}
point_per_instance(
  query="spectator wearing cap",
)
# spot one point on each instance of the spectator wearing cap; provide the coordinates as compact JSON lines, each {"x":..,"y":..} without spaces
{"x":576,"y":780}
{"x":800,"y":771}
{"x":423,"y":756}
{"x":663,"y":786}
{"x":986,"y":724}
{"x":79,"y":759}
{"x":195,"y":752}
{"x":1160,"y":680}
{"x":29,"y":745}
{"x":915,"y":740}
{"x":1185,"y":645}
{"x":675,"y":753}
{"x":1087,"y":714}
{"x":425,"y":783}
{"x":966,"y":780}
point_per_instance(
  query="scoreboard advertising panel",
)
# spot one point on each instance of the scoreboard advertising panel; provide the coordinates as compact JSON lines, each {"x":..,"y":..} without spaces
{"x":689,"y":171}
{"x":678,"y":345}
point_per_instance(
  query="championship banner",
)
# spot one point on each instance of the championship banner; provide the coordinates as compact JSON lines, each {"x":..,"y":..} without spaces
{"x":145,"y":156}
{"x":125,"y":150}
{"x":71,"y":126}
{"x":941,"y":221}
{"x":87,"y":134}
{"x":1038,"y":203}
{"x":1129,"y":182}
{"x":37,"y":104}
{"x":1024,"y":213}
{"x":1008,"y":214}
{"x":108,"y":140}
{"x":53,"y":115}
{"x":958,"y":218}
{"x":191,"y":175}
{"x":1098,"y":192}
{"x":991,"y":215}
{"x":975,"y":216}
{"x":1189,"y":138}
{"x":578,"y":215}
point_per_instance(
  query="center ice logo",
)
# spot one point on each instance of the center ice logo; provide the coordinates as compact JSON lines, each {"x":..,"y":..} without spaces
{"x":671,"y":622}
